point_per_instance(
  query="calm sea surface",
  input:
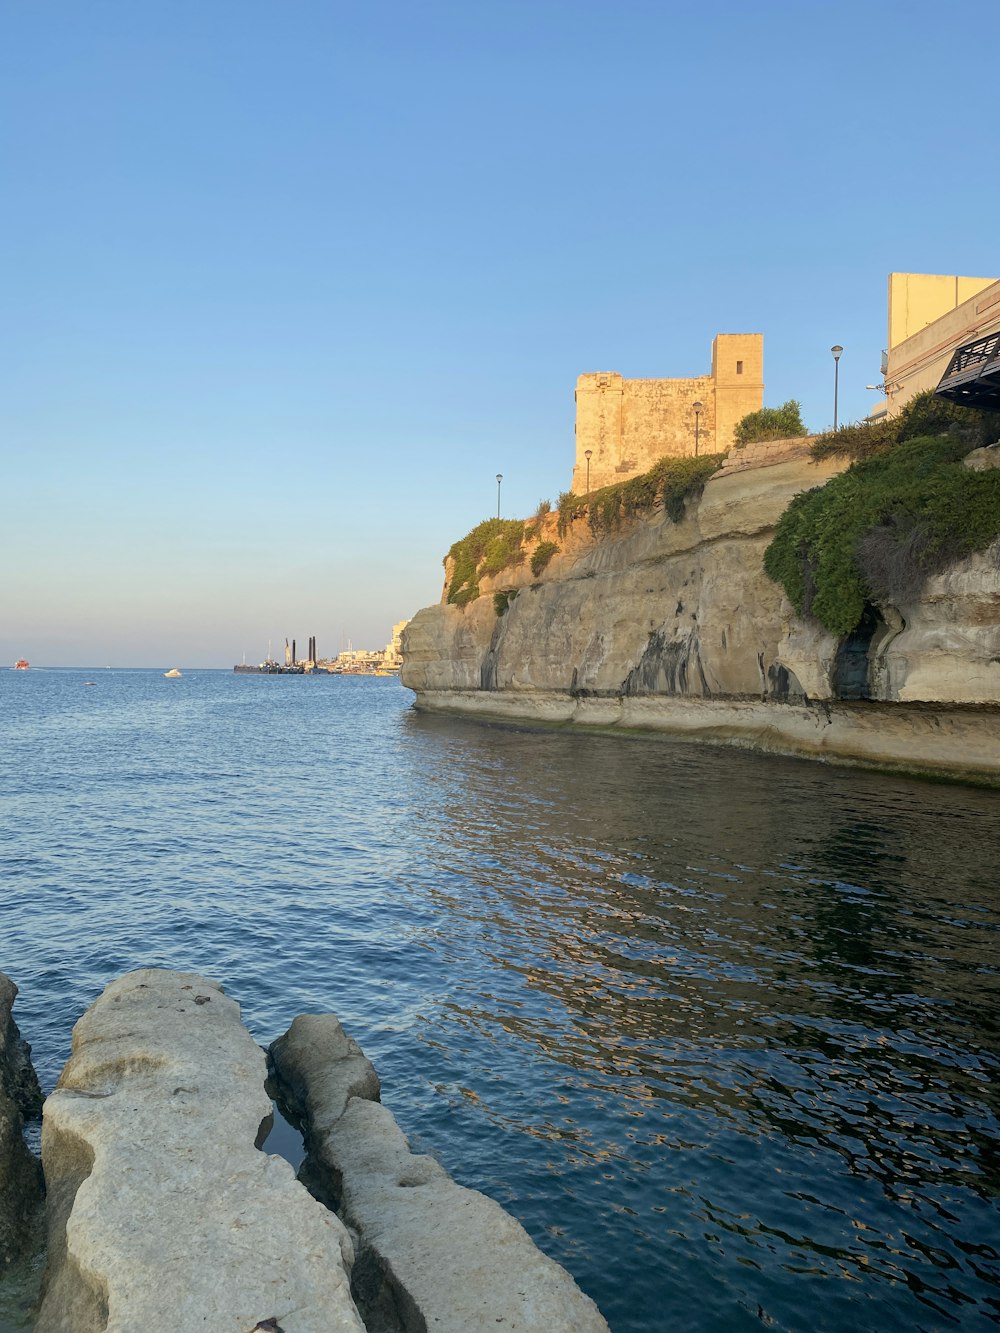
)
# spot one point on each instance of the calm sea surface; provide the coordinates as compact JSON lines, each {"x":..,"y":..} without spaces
{"x":721,"y":1030}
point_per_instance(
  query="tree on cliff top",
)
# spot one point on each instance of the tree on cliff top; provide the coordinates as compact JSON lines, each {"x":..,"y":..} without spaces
{"x":771,"y":423}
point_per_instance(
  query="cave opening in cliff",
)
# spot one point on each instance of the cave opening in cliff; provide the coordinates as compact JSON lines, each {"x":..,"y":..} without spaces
{"x":852,"y":674}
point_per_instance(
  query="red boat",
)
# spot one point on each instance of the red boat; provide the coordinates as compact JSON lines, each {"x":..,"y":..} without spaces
{"x":21,"y":664}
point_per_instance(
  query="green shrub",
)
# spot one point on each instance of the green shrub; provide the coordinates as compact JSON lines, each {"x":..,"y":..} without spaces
{"x":534,"y":526}
{"x":541,"y":556}
{"x":491,"y":546}
{"x":861,"y":439}
{"x":502,"y":600}
{"x":929,"y":415}
{"x":881,"y":528}
{"x":925,"y":415}
{"x":464,"y":595}
{"x":771,"y":423}
{"x":671,"y":483}
{"x":570,"y":507}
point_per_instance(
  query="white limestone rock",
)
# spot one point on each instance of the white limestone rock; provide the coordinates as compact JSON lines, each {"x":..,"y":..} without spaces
{"x":164,"y":1216}
{"x":949,"y":646}
{"x":982,"y":460}
{"x":20,"y":1173}
{"x":431,"y":1254}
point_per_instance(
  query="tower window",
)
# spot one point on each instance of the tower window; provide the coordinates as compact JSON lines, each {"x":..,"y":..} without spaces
{"x":739,"y":367}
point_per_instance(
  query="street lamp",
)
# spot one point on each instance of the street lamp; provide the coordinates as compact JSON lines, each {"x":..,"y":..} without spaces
{"x":836,"y":350}
{"x":499,"y":480}
{"x":587,"y":455}
{"x":697,"y":424}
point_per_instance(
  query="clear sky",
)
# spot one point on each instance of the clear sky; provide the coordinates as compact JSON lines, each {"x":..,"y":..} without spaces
{"x":285,"y":283}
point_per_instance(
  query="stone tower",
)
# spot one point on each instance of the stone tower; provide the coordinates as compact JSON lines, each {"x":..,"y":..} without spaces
{"x":628,"y":425}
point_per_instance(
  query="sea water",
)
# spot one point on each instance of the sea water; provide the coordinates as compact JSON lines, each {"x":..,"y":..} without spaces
{"x":720,"y":1029}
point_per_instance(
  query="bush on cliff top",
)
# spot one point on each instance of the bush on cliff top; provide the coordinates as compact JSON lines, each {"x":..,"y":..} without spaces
{"x":922,"y":416}
{"x":491,"y":546}
{"x":878,"y":530}
{"x":670,"y":483}
{"x":770,"y":423}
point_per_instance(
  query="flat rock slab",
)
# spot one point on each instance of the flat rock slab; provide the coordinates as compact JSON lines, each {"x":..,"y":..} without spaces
{"x":20,"y":1172}
{"x":431,"y":1254}
{"x":164,"y":1217}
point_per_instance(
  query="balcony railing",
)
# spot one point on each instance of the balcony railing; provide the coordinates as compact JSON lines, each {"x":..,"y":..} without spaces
{"x":973,"y":374}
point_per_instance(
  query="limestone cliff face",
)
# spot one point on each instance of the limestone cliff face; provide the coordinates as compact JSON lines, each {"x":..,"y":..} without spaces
{"x":672,"y":611}
{"x":685,"y":609}
{"x":947,"y":646}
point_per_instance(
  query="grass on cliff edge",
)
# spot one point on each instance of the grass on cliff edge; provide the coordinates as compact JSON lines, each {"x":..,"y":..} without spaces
{"x":497,"y":543}
{"x":491,"y":546}
{"x":670,"y":482}
{"x":924,"y":415}
{"x":880,"y":529}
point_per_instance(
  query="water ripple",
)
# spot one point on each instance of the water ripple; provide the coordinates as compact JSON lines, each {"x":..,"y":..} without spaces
{"x":720,"y":1029}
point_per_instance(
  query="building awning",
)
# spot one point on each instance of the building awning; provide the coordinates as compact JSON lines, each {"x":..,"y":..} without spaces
{"x":973,"y":374}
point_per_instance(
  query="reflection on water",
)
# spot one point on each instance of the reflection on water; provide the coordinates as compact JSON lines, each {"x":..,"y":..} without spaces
{"x":720,"y":1029}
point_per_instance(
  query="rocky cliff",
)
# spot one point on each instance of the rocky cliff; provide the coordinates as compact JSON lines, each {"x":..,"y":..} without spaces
{"x":20,"y":1173}
{"x":675,"y":626}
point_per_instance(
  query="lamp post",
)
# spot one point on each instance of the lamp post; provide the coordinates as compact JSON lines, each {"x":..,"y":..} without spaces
{"x":587,"y":455}
{"x":836,"y":350}
{"x":697,"y":425}
{"x":499,"y":480}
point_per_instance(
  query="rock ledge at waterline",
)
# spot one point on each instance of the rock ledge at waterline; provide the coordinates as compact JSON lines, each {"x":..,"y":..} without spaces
{"x":430,"y":1254}
{"x":675,"y":628}
{"x":164,"y":1216}
{"x":20,"y":1099}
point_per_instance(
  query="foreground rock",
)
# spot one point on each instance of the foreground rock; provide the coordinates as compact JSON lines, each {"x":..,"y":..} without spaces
{"x":164,"y":1216}
{"x":431,"y":1254}
{"x":20,"y":1172}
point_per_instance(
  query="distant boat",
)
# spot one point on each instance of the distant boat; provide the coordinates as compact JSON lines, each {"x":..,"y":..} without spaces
{"x":172,"y":673}
{"x":21,"y":664}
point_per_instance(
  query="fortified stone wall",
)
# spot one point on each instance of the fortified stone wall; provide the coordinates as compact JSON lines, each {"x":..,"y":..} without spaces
{"x":629,"y":424}
{"x":762,"y":453}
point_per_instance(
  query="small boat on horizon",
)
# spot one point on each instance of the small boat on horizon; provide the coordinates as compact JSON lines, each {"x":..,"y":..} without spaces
{"x":172,"y":674}
{"x":21,"y":664}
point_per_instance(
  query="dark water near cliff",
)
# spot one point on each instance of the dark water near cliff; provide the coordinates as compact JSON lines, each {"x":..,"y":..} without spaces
{"x":721,"y":1030}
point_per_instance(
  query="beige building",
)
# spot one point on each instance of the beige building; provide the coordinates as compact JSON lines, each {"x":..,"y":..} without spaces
{"x":393,"y":656}
{"x":930,"y":314}
{"x":628,"y":425}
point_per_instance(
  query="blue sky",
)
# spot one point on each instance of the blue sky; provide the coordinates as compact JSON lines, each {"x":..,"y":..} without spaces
{"x":285,"y":285}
